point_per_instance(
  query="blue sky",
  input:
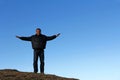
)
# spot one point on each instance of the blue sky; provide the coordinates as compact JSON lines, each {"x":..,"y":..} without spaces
{"x":89,"y":45}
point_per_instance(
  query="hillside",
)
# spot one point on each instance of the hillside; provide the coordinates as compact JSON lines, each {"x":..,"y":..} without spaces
{"x":10,"y":74}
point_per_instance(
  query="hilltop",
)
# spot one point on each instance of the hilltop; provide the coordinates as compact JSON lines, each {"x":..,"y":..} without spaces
{"x":12,"y":74}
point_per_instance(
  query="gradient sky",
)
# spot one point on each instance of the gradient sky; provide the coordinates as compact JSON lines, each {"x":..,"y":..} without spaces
{"x":89,"y":45}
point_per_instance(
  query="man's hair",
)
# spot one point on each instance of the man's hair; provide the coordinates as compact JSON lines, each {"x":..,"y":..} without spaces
{"x":38,"y":29}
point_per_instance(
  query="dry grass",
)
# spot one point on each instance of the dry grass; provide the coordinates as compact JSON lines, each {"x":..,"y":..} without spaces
{"x":9,"y":74}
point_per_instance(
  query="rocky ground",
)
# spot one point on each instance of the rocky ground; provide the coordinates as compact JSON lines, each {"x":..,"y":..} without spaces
{"x":10,"y":74}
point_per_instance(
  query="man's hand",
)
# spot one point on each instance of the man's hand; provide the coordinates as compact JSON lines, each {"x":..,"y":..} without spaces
{"x":17,"y":37}
{"x":57,"y":34}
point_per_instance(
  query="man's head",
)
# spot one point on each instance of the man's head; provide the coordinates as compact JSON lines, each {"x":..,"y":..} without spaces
{"x":38,"y":31}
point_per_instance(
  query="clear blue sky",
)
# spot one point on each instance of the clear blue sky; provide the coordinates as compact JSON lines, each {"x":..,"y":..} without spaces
{"x":89,"y":45}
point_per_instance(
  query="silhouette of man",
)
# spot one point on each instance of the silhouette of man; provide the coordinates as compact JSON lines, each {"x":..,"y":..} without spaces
{"x":38,"y":44}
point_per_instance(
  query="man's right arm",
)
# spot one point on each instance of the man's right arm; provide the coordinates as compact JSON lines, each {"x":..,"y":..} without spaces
{"x":24,"y":38}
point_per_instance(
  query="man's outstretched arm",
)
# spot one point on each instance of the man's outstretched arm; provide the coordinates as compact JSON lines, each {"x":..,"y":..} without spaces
{"x":24,"y":38}
{"x":52,"y":37}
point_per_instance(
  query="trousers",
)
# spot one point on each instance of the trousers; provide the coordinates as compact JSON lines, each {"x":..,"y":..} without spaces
{"x":38,"y":53}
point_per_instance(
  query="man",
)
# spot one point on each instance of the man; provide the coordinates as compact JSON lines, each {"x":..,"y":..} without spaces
{"x":38,"y":44}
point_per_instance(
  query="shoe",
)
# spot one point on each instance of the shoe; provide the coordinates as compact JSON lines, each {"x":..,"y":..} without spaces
{"x":42,"y":73}
{"x":35,"y":72}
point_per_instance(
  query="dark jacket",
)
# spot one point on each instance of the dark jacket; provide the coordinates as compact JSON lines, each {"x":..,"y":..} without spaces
{"x":38,"y":41}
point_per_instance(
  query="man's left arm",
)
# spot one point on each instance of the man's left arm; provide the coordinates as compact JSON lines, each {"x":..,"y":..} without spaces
{"x":52,"y":37}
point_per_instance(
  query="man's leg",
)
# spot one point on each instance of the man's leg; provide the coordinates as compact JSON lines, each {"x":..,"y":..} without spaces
{"x":42,"y":61}
{"x":35,"y":63}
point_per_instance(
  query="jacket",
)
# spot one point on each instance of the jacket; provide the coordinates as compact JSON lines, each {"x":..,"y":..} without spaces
{"x":38,"y":41}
